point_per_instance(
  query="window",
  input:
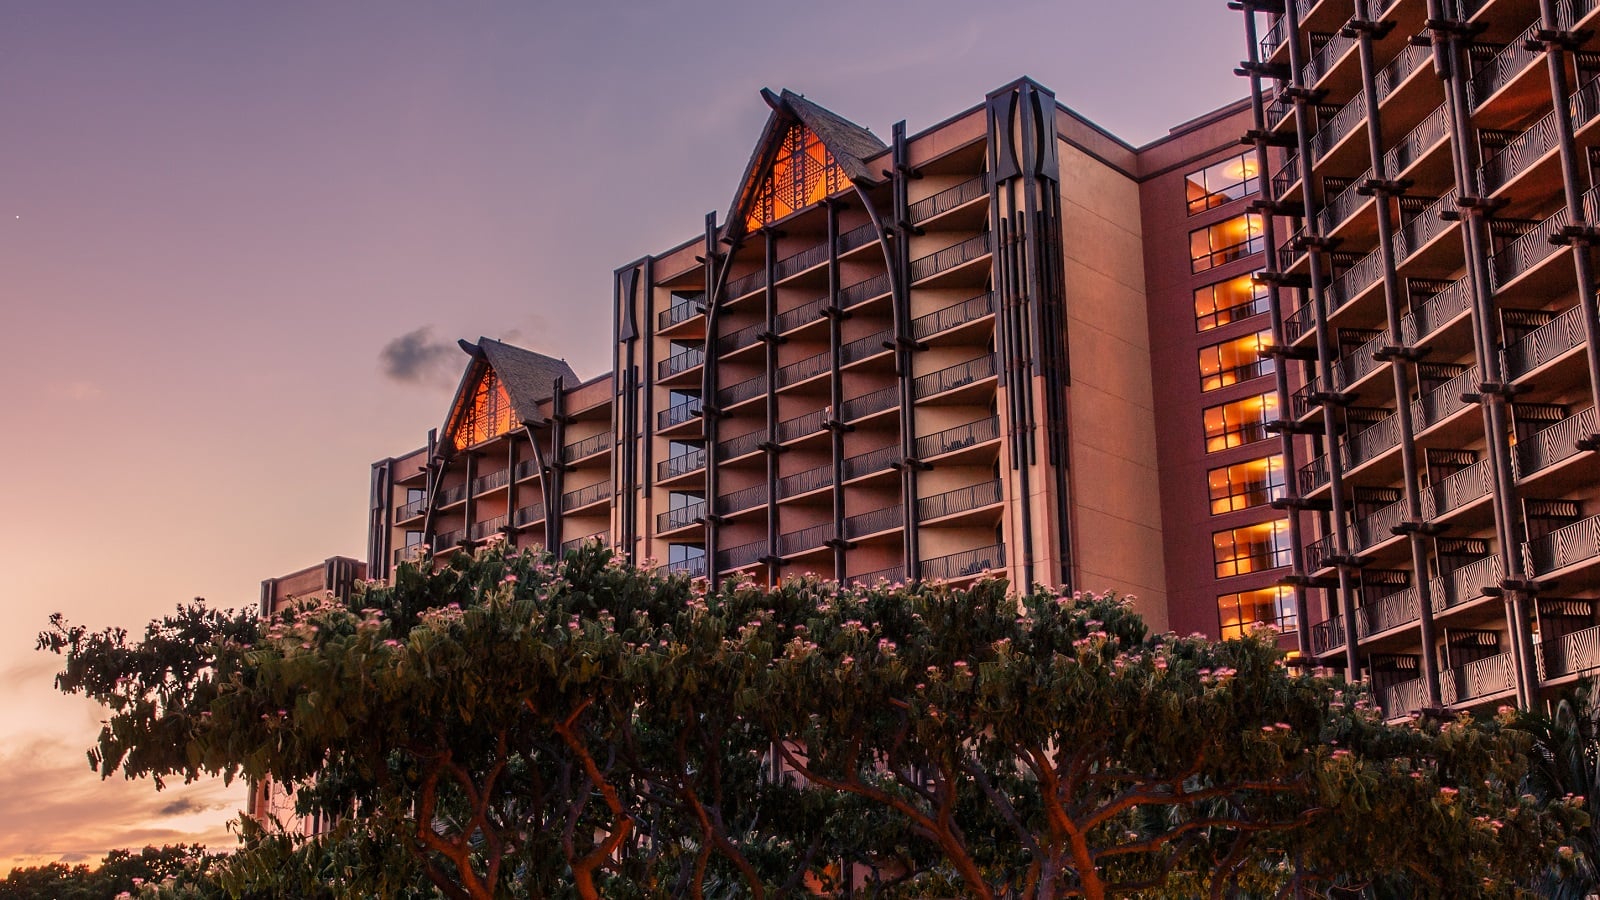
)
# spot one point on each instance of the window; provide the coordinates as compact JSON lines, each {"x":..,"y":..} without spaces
{"x":1253,"y":548}
{"x":415,"y":494}
{"x":488,"y":414}
{"x":413,"y":538}
{"x":687,"y":558}
{"x":1234,"y":361}
{"x":802,"y":173}
{"x":1228,"y":301}
{"x":1222,"y":182}
{"x":676,"y":449}
{"x":1225,"y":242}
{"x":1240,"y":422}
{"x":1268,"y":606}
{"x":1245,"y":485}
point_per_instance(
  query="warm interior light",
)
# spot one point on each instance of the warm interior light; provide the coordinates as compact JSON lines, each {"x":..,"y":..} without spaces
{"x":486,"y":415}
{"x":802,"y":173}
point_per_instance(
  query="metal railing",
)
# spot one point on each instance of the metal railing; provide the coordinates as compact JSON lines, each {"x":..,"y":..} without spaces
{"x":1566,"y":546}
{"x":871,"y":461}
{"x":1344,"y":204}
{"x":743,"y":499}
{"x":589,"y":446}
{"x":1520,"y":153}
{"x":1527,"y":251}
{"x":1570,"y":654}
{"x":1373,"y":441}
{"x":1339,"y":126}
{"x":527,"y":515}
{"x":748,"y":389}
{"x":1318,"y":551}
{"x":682,"y":517}
{"x":1287,"y":176}
{"x":489,"y":482}
{"x":1424,"y":227}
{"x":1278,"y":33}
{"x":1482,"y":678}
{"x":804,"y":314}
{"x":1379,"y":527}
{"x":1278,"y":110}
{"x":1445,"y":400}
{"x":960,"y":500}
{"x":814,"y":255}
{"x":1503,"y":67}
{"x":952,"y":377}
{"x":800,"y":426}
{"x":487,"y":527}
{"x":805,"y":539}
{"x":1404,"y":699}
{"x":1391,"y":76}
{"x":1323,"y":61}
{"x":1428,"y":133}
{"x":957,"y":438}
{"x":584,"y":496}
{"x":682,"y":361}
{"x":1465,"y":584}
{"x":680,"y":312}
{"x":1313,"y":474}
{"x":678,"y":413}
{"x":1388,"y":612}
{"x":409,"y":552}
{"x":952,"y":316}
{"x":674,"y":466}
{"x":735,"y":447}
{"x":966,"y":251}
{"x":1457,"y":490}
{"x":873,"y":522}
{"x":867,"y":404}
{"x":893,"y":574}
{"x":528,"y":468}
{"x":1426,"y":318}
{"x":1364,"y":274}
{"x":744,"y":337}
{"x":1552,"y":445}
{"x":805,"y":482}
{"x":600,"y":537}
{"x":948,"y":199}
{"x":864,"y":348}
{"x":1361,"y":362}
{"x":452,"y":495}
{"x":859,"y":236}
{"x":1300,"y":322}
{"x":742,"y":555}
{"x":799,"y":371}
{"x":449,"y":540}
{"x":1545,"y":343}
{"x":862,"y":291}
{"x":694,"y":567}
{"x":966,"y":563}
{"x":1327,"y":636}
{"x":747,"y":284}
{"x":411,"y":510}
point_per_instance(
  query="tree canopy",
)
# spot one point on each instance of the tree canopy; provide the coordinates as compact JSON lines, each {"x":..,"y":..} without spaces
{"x":522,"y":725}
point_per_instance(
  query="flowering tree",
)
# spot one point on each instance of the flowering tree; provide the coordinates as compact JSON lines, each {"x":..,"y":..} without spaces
{"x":517,"y":724}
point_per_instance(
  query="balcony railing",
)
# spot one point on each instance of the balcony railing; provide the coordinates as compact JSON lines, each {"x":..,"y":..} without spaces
{"x":959,"y":437}
{"x":481,"y":530}
{"x":1373,"y":441}
{"x":694,"y":567}
{"x":1570,"y":654}
{"x":1399,"y":69}
{"x":1423,"y":227}
{"x":528,"y":468}
{"x":674,"y":466}
{"x":1302,"y":321}
{"x":411,"y":510}
{"x":800,"y":426}
{"x":1429,"y":132}
{"x":409,"y":552}
{"x":1466,"y":584}
{"x":585,"y":496}
{"x":484,"y":483}
{"x":1361,"y":362}
{"x":1278,"y":109}
{"x":893,"y":574}
{"x":862,"y":291}
{"x":1327,"y":636}
{"x":682,"y":361}
{"x":599,"y":537}
{"x":960,"y":500}
{"x":744,"y":337}
{"x":1445,"y":400}
{"x":966,"y":563}
{"x":1390,"y":611}
{"x":1404,"y":699}
{"x":1279,"y":31}
{"x":805,"y":482}
{"x":948,"y":199}
{"x":1287,"y":176}
{"x":742,"y":555}
{"x":678,"y":413}
{"x":1344,"y":204}
{"x":814,"y":255}
{"x":1532,"y":145}
{"x":799,"y":371}
{"x":1318,"y":551}
{"x":1545,"y":343}
{"x":681,"y":312}
{"x":1357,"y":278}
{"x":859,"y":236}
{"x":1323,"y":60}
{"x":805,"y":539}
{"x":864,"y":348}
{"x":589,"y":446}
{"x":970,"y":249}
{"x":952,"y":316}
{"x":735,"y":447}
{"x":1503,"y":67}
{"x":682,"y":517}
{"x":1457,"y":489}
{"x":790,"y":319}
{"x":452,"y":495}
{"x":867,"y":404}
{"x":748,"y":389}
{"x":747,"y":284}
{"x":1483,"y":678}
{"x":1552,"y":445}
{"x":1379,"y":527}
{"x":743,"y":499}
{"x":871,"y":461}
{"x":952,"y":377}
{"x":1339,"y":126}
{"x":449,"y":540}
{"x":1568,"y":546}
{"x":1527,"y":251}
{"x":873,"y":522}
{"x":527,"y":515}
{"x":1451,"y":300}
{"x":1313,"y":474}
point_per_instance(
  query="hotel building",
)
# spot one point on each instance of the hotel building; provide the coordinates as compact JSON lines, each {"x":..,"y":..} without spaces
{"x":1007,"y":343}
{"x":1430,"y":213}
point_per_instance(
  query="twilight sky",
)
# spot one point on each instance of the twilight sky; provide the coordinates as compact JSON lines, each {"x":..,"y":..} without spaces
{"x":214,"y":218}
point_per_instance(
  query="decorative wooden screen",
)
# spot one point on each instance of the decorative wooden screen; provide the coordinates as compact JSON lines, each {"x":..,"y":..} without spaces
{"x":802,"y":173}
{"x":486,"y":414}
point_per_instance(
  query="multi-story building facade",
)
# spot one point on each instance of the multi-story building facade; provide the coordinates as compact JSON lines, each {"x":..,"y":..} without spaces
{"x":928,"y":357}
{"x":1431,"y":210}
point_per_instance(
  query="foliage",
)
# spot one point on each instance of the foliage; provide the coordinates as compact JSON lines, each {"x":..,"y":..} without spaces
{"x":518,"y":725}
{"x":121,"y":871}
{"x":1566,"y":769}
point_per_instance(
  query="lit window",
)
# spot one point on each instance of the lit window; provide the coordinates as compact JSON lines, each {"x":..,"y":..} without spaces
{"x":1235,"y":361}
{"x":1253,"y":548}
{"x":1222,"y":182}
{"x":488,"y":414}
{"x":1238,"y":613}
{"x":1225,"y":242}
{"x":1245,"y":485}
{"x":802,"y":173}
{"x":1228,"y":301}
{"x":1240,"y":422}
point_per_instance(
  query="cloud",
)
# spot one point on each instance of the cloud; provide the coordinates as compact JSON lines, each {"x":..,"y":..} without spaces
{"x":417,"y":358}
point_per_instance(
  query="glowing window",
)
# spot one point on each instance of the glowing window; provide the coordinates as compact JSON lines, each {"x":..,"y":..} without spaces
{"x":1225,"y":242}
{"x":1228,"y":301}
{"x":1253,"y":548}
{"x":1256,"y":482}
{"x":1234,"y":361}
{"x":1222,"y":182}
{"x":1237,"y":613}
{"x":803,"y":172}
{"x":1240,"y":422}
{"x":487,"y":415}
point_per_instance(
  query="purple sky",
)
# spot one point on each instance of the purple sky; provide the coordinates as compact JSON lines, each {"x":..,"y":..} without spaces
{"x":215,"y":217}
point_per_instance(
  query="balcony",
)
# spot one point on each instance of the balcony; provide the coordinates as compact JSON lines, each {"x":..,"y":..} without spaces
{"x":1424,"y":227}
{"x":678,"y":466}
{"x":871,"y":462}
{"x":799,"y":426}
{"x":1399,"y":70}
{"x":948,"y":199}
{"x":742,"y":500}
{"x":449,"y":540}
{"x":950,"y":257}
{"x":1458,"y":489}
{"x":589,"y":446}
{"x":599,"y":537}
{"x":737,"y":393}
{"x":528,"y":515}
{"x":1372,"y":442}
{"x":1572,"y":654}
{"x":804,"y":314}
{"x":1445,"y":400}
{"x":682,"y":517}
{"x":411,"y":510}
{"x":952,"y":377}
{"x":1277,"y":35}
{"x":1345,"y":204}
{"x":1328,"y":636}
{"x":1466,"y":584}
{"x":1478,"y":680}
{"x":1430,"y":133}
{"x":1451,"y":299}
{"x":678,"y":414}
{"x":879,"y":520}
{"x":585,"y":497}
{"x":1539,"y":142}
{"x":743,"y":445}
{"x":1354,"y":281}
{"x":739,"y":339}
{"x":1528,"y":251}
{"x":1339,"y":126}
{"x":958,"y":438}
{"x":1389,"y":612}
{"x":1379,"y":527}
{"x":796,"y":372}
{"x":1503,"y":68}
{"x":742,"y":555}
{"x":875,"y":344}
{"x":966,"y":564}
{"x":878,"y":401}
{"x":450,"y":496}
{"x":1287,"y":176}
{"x":681,"y":312}
{"x":805,"y":540}
{"x":1326,"y":59}
{"x":1314,"y":474}
{"x":1546,"y":343}
{"x":488,"y":527}
{"x":1553,"y":445}
{"x":1563,"y":548}
{"x":680,"y":362}
{"x":960,"y":500}
{"x":694,"y":568}
{"x":492,"y":481}
{"x":952,"y":316}
{"x":1404,"y":699}
{"x":410,"y":553}
{"x":805,"y":482}
{"x":862,"y":291}
{"x":746,"y":284}
{"x":893,"y":575}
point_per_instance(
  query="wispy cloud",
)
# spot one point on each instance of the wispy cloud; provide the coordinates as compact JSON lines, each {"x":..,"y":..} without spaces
{"x":418,"y":358}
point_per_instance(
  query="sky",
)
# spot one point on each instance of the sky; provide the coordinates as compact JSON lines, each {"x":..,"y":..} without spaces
{"x":238,"y":243}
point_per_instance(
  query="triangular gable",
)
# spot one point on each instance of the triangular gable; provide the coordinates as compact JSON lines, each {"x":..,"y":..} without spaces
{"x":805,"y":154}
{"x":482,"y":409}
{"x":501,"y":389}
